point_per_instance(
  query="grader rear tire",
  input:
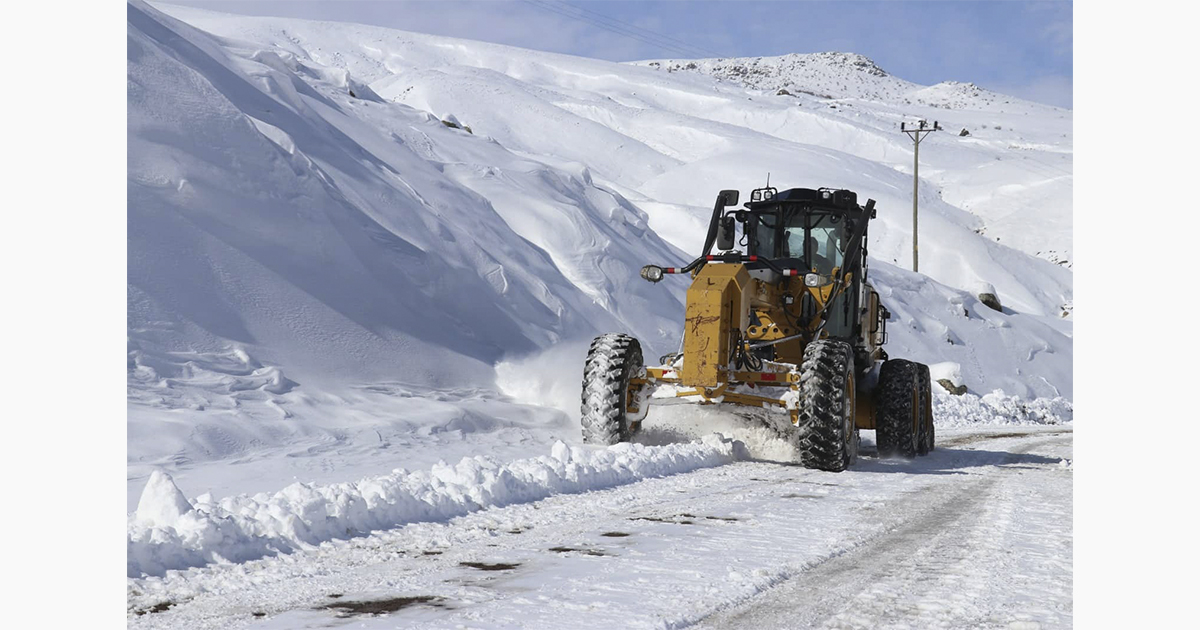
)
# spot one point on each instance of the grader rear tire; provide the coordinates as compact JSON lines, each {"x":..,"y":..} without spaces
{"x":828,"y":438}
{"x":612,"y":361}
{"x":899,"y":403}
{"x":925,"y":440}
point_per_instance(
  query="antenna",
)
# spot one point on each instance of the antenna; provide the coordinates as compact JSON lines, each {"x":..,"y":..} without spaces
{"x":768,"y":179}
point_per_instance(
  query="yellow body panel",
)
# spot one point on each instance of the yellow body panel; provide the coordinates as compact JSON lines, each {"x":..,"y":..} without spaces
{"x":722,"y":302}
{"x":717,"y":305}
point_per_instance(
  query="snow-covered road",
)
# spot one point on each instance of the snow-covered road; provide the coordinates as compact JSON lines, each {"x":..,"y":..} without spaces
{"x":978,"y":534}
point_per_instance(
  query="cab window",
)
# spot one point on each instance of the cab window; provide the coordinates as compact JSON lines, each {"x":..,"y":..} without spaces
{"x":815,"y":237}
{"x":765,"y":226}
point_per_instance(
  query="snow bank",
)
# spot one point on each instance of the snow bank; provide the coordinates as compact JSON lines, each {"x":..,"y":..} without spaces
{"x":168,"y":532}
{"x":998,"y":408}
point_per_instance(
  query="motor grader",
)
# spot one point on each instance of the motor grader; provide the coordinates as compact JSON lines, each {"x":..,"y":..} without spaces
{"x":785,"y":321}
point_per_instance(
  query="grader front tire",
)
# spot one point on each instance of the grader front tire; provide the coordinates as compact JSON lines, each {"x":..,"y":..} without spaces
{"x":612,"y":361}
{"x":828,"y":438}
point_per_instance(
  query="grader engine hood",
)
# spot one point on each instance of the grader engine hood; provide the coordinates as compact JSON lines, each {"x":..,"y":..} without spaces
{"x":718,"y":305}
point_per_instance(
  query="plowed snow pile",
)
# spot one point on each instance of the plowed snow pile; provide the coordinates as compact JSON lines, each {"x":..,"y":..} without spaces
{"x":169,"y":532}
{"x":330,"y":276}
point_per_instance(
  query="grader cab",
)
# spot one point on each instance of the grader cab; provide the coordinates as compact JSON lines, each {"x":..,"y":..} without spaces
{"x":782,"y":318}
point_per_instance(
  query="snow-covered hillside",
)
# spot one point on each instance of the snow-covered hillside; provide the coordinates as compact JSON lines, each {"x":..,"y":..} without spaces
{"x":1013,"y":169}
{"x":325,"y":280}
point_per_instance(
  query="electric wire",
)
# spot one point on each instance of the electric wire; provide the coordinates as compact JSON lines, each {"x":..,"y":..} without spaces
{"x":663,"y":36}
{"x":565,"y":12}
{"x":619,"y":27}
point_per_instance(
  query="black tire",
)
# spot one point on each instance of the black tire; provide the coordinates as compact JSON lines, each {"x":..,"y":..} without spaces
{"x":828,"y":437}
{"x":612,"y":360}
{"x":898,"y":406}
{"x":925,"y":439}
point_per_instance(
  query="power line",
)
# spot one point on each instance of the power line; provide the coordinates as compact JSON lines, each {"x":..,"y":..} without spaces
{"x":704,"y":51}
{"x":625,"y":29}
{"x":562,"y":10}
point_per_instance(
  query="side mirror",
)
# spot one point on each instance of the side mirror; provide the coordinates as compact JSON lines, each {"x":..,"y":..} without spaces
{"x":725,"y":232}
{"x":729,"y":197}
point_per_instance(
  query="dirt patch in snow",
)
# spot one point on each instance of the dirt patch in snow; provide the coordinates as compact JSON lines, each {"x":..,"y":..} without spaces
{"x":157,"y":608}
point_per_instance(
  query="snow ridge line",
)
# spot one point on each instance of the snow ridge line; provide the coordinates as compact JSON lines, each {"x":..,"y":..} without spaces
{"x":168,"y":532}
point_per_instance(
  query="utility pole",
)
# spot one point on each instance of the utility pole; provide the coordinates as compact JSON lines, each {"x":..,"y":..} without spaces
{"x":917,"y":134}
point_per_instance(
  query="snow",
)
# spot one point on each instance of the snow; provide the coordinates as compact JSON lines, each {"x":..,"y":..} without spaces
{"x":169,"y":533}
{"x":1014,"y":170}
{"x":947,"y":371}
{"x":162,"y":504}
{"x":997,"y":408}
{"x":326,"y":283}
{"x":976,"y":534}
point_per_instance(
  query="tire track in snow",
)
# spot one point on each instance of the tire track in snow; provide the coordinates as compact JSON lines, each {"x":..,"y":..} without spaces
{"x":890,"y":581}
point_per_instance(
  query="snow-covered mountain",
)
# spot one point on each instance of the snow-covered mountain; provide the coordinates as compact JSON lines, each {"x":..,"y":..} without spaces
{"x":1012,"y":168}
{"x":326,"y":280}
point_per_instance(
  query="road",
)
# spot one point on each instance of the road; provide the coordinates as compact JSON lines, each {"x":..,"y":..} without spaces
{"x":976,"y":535}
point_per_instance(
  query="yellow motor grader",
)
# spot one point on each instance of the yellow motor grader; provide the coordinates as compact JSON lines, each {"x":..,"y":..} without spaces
{"x":787,"y":322}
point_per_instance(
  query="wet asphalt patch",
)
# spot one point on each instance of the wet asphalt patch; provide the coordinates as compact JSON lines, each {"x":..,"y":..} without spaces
{"x":381,"y":606}
{"x":590,"y":552}
{"x":486,"y":566}
{"x":679,"y":519}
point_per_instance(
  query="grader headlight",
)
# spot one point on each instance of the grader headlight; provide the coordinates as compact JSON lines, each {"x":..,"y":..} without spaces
{"x":652,"y":273}
{"x":815,"y":280}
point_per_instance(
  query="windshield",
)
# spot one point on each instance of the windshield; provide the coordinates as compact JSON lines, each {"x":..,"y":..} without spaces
{"x":814,"y":237}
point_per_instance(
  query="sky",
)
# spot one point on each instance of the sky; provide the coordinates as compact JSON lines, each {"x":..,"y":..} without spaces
{"x":1018,"y":48}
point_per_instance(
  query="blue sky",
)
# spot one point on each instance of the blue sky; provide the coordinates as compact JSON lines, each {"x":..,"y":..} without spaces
{"x":1019,"y":48}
